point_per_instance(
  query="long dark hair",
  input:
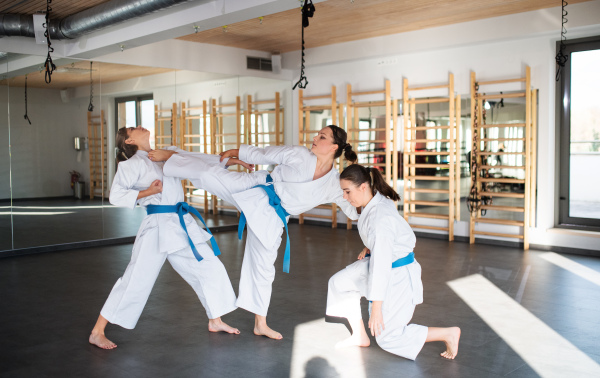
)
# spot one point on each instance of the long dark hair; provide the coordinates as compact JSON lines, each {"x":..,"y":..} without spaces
{"x":358,"y":174}
{"x":125,"y":150}
{"x":339,"y":138}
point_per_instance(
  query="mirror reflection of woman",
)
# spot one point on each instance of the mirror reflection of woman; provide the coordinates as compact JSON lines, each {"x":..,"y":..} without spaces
{"x":161,"y":237}
{"x":386,"y":273}
{"x":302,"y":180}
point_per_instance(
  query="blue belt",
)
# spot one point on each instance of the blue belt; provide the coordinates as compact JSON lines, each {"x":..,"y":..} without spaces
{"x":408,"y":259}
{"x":181,"y":209}
{"x":275,"y":202}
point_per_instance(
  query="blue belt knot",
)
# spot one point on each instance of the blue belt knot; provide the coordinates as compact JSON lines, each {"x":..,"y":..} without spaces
{"x":275,"y":202}
{"x":182,"y":208}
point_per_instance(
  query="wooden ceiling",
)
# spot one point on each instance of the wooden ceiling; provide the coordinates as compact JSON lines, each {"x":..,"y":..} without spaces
{"x":337,"y":21}
{"x":77,"y":74}
{"x":60,"y":8}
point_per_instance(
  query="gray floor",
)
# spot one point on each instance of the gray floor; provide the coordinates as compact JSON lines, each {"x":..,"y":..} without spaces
{"x":51,"y":301}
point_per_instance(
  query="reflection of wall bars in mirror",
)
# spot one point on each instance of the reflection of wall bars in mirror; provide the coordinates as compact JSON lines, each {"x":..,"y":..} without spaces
{"x":415,"y":159}
{"x":195,"y":140}
{"x":225,"y":137}
{"x":376,"y":146}
{"x":519,"y":154}
{"x":165,"y":124}
{"x":306,"y":132}
{"x":97,"y":153}
{"x":256,"y":122}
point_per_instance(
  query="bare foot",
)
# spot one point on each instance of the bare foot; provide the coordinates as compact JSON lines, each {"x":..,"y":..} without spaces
{"x":264,"y":330}
{"x":101,"y":341}
{"x":355,"y":340}
{"x":451,"y":343}
{"x":217,"y":325}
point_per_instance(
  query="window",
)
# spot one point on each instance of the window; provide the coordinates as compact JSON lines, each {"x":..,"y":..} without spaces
{"x":135,"y":111}
{"x":579,"y":136}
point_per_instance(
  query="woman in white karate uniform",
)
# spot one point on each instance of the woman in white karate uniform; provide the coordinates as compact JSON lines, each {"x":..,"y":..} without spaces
{"x":161,"y":237}
{"x":386,"y":273}
{"x":302,"y":180}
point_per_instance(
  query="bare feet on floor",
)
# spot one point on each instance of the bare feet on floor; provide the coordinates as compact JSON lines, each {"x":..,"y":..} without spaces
{"x":451,"y":343}
{"x":355,"y":340}
{"x":99,"y":340}
{"x":264,"y":330}
{"x":217,"y":325}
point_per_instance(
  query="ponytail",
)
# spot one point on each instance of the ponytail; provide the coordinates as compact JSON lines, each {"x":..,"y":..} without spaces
{"x":340,"y":137}
{"x":357,"y":174}
{"x":125,"y":150}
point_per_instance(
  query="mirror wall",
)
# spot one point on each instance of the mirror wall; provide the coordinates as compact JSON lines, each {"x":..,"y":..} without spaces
{"x":5,"y":213}
{"x":53,"y":187}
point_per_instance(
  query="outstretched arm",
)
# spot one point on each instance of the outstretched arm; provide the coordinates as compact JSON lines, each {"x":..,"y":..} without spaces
{"x":265,"y":156}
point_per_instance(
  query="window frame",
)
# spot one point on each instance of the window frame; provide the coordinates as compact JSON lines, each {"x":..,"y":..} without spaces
{"x":563,"y":137}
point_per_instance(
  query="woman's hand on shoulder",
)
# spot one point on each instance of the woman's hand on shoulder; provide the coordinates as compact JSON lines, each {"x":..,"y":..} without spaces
{"x":160,"y":155}
{"x":230,"y":154}
{"x":364,"y":253}
{"x":234,"y":161}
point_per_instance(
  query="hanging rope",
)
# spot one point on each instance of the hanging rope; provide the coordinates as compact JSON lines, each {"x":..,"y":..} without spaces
{"x":308,"y":10}
{"x":26,"y":116}
{"x":561,"y":58}
{"x":475,"y":201}
{"x":91,"y":105}
{"x":49,"y":65}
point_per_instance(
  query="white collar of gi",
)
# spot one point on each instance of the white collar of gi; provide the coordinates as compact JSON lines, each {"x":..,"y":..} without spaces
{"x":374,"y":201}
{"x":141,"y":153}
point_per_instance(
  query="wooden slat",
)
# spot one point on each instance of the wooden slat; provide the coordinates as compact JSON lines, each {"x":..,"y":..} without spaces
{"x":503,"y":208}
{"x":502,"y":180}
{"x":426,"y":203}
{"x":506,"y":222}
{"x":428,"y":178}
{"x":517,"y":236}
{"x":428,"y":100}
{"x":428,"y":190}
{"x":521,"y":79}
{"x":502,"y":194}
{"x":444,"y":86}
{"x":428,"y":215}
{"x":428,"y":227}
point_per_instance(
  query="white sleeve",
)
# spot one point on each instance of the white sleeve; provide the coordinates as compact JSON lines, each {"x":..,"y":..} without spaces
{"x":337,"y":197}
{"x":380,"y":264}
{"x":122,"y":193}
{"x":348,"y":209}
{"x":206,"y":158}
{"x":270,"y":155}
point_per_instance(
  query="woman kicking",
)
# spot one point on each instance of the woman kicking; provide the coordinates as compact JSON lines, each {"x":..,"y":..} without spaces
{"x":302,"y":180}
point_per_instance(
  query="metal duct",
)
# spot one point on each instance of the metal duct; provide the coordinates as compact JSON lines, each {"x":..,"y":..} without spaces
{"x":89,"y":20}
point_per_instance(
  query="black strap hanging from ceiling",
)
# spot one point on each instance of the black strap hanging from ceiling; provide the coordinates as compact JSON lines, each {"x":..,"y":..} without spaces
{"x":308,"y":10}
{"x":49,"y":65}
{"x":91,"y":105}
{"x":26,"y":116}
{"x":561,"y":58}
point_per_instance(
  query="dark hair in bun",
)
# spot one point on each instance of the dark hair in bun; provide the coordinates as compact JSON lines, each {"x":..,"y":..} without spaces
{"x":340,"y":137}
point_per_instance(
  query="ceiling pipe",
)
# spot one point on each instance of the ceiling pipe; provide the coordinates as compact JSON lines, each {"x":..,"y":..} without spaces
{"x":87,"y":21}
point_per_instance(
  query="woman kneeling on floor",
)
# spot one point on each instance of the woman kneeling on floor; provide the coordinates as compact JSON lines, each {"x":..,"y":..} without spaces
{"x":386,"y":273}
